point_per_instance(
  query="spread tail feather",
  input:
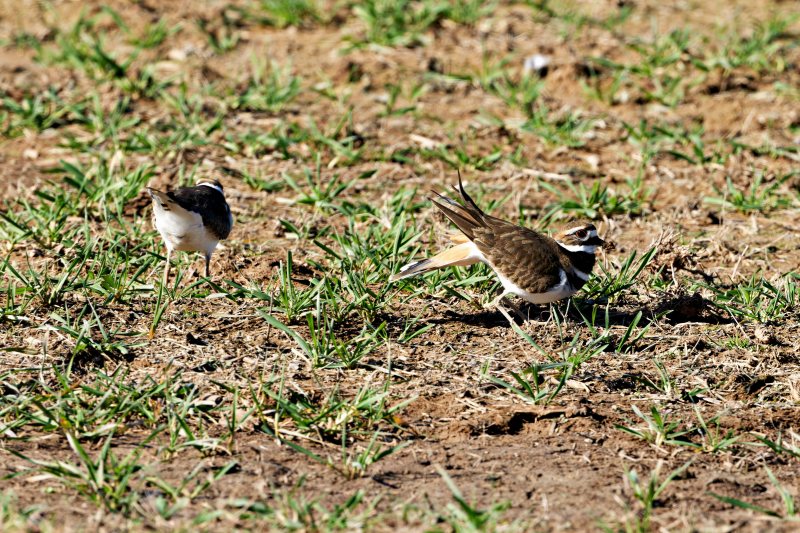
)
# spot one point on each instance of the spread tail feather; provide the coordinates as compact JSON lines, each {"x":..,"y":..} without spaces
{"x":462,"y":255}
{"x":470,"y":204}
{"x":466,"y":216}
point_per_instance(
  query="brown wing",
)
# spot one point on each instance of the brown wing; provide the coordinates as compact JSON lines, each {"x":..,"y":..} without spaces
{"x":527,"y":258}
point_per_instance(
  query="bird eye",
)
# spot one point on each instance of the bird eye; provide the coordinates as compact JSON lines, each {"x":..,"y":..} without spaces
{"x":581,"y":233}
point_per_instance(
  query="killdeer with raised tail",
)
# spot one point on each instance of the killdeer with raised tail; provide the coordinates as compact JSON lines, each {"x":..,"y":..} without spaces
{"x":192,"y":219}
{"x":538,"y":268}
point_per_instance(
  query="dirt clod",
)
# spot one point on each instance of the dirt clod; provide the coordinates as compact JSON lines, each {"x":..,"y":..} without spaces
{"x":765,"y":335}
{"x":694,"y":308}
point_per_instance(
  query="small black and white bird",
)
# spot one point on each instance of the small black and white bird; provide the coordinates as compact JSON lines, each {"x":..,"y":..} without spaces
{"x":531,"y":265}
{"x":192,"y":219}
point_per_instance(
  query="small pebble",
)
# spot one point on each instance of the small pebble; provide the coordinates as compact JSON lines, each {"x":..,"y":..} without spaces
{"x":765,"y":335}
{"x":535,"y":63}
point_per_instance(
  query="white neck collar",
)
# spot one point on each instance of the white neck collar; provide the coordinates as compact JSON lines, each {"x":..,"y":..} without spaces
{"x":216,"y":187}
{"x":586,"y":248}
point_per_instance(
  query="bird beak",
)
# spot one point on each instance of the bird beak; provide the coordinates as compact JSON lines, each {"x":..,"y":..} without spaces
{"x":597,"y":241}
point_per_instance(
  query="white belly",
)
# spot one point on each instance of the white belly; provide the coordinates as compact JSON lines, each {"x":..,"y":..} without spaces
{"x":559,"y":292}
{"x":184,"y":231}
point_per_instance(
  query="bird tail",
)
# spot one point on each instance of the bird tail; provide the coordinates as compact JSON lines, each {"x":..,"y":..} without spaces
{"x":161,"y":201}
{"x":466,"y":216}
{"x":461,"y":255}
{"x":458,"y":238}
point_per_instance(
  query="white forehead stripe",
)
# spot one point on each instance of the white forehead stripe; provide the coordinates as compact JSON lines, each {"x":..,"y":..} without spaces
{"x":212,"y":186}
{"x":587,"y":248}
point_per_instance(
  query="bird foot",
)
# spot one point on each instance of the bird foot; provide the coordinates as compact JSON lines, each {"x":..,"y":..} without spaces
{"x":505,"y":301}
{"x":502,"y":300}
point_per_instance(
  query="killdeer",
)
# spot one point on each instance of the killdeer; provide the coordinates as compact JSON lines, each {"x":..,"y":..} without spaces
{"x":193,"y":219}
{"x":534,"y":266}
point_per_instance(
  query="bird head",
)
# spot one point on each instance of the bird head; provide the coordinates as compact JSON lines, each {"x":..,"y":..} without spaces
{"x":580,"y":236}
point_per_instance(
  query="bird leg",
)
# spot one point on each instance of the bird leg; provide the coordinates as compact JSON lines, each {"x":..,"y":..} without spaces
{"x":208,"y":261}
{"x":496,"y":305}
{"x":566,"y":313}
{"x":553,"y":310}
{"x":166,"y":268}
{"x":549,"y":318}
{"x":514,"y":308}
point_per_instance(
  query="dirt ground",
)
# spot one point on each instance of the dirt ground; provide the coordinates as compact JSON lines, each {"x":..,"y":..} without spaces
{"x":723,"y":220}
